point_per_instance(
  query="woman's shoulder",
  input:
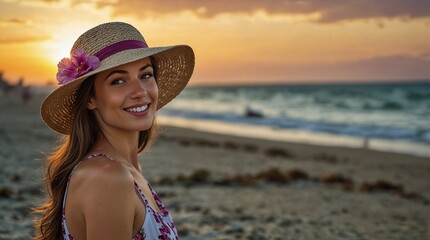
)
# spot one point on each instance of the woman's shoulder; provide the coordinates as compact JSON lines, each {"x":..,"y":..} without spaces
{"x":102,"y":174}
{"x":105,"y":196}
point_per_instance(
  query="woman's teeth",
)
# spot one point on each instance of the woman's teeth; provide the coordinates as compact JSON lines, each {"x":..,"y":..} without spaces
{"x":137,"y":109}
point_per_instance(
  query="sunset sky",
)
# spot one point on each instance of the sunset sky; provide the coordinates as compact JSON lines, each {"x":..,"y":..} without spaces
{"x":235,"y":42}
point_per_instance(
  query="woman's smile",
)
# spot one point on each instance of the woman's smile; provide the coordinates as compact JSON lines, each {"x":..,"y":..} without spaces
{"x":138,"y":109}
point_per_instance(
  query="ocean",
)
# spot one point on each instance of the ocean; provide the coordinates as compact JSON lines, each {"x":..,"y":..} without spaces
{"x":383,"y":116}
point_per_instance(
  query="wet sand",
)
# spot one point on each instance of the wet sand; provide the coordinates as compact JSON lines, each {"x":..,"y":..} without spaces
{"x":227,"y":187}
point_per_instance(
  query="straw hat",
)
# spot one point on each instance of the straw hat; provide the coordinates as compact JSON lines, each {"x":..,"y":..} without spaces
{"x":107,"y":46}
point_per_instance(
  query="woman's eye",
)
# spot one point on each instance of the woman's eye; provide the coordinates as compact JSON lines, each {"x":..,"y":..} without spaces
{"x":117,"y":81}
{"x":146,"y":75}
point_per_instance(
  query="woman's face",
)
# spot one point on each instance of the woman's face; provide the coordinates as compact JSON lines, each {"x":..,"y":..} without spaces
{"x":125,"y":98}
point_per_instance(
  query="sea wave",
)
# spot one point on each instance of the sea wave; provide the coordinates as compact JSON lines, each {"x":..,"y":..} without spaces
{"x":390,"y":111}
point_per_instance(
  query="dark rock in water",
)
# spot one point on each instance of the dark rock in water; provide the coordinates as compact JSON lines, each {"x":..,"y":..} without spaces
{"x":391,"y":106}
{"x":5,"y":192}
{"x":16,"y":178}
{"x":251,"y":113}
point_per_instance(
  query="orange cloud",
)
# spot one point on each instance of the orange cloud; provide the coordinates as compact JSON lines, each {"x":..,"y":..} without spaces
{"x":47,"y":1}
{"x":25,"y":39}
{"x":330,"y":10}
{"x":14,"y":22}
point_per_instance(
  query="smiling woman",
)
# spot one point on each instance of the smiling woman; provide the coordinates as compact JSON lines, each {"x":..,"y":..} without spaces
{"x":110,"y":90}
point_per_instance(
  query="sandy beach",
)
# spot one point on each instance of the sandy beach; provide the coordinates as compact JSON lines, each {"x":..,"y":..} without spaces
{"x":228,"y":187}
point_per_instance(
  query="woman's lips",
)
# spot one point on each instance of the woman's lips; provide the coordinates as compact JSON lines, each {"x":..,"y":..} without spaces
{"x":137,"y":109}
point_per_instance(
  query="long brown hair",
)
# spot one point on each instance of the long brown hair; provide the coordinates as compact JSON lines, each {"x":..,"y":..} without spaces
{"x":84,"y":134}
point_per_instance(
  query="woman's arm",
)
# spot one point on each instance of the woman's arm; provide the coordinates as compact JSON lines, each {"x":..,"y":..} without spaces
{"x":108,"y":206}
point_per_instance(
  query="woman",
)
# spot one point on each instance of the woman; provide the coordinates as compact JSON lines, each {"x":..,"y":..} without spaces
{"x":111,"y":88}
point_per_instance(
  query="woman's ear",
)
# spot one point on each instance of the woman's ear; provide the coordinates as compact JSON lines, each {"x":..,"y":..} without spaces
{"x":91,"y":105}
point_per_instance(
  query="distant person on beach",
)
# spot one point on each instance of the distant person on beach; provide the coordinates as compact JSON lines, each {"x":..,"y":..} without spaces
{"x":26,"y":94}
{"x":110,"y":91}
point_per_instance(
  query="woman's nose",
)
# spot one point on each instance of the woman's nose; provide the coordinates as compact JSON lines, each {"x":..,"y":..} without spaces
{"x":138,"y":89}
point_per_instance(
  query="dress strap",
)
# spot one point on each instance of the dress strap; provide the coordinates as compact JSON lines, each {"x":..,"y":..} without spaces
{"x":100,"y":154}
{"x":140,"y":193}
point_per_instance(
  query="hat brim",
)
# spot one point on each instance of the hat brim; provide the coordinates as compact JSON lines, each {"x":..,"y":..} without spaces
{"x":175,"y":65}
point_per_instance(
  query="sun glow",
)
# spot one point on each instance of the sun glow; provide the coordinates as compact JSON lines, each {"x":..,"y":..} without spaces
{"x":58,"y":49}
{"x":61,"y":43}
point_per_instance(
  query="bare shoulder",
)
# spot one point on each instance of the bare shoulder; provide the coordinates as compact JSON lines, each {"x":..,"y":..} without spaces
{"x":106,"y":196}
{"x":102,"y":174}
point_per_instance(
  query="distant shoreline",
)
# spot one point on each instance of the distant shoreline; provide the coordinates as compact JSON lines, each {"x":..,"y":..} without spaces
{"x":298,"y":136}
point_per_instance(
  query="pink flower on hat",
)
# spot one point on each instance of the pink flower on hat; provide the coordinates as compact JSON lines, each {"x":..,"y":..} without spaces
{"x":77,"y":65}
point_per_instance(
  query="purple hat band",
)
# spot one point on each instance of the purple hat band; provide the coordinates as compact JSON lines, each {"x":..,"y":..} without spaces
{"x":80,"y":63}
{"x":119,"y":47}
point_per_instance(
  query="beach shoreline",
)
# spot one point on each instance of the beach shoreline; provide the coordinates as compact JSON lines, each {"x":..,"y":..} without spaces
{"x":221,"y":186}
{"x":291,"y":136}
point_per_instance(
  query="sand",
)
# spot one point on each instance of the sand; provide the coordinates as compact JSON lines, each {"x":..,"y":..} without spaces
{"x":226,"y":187}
